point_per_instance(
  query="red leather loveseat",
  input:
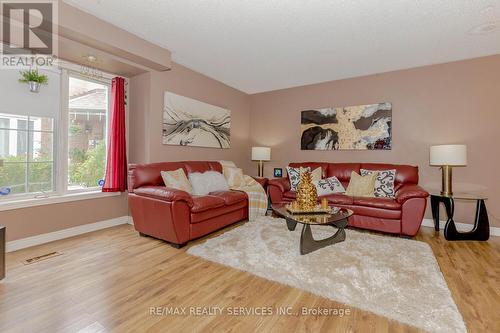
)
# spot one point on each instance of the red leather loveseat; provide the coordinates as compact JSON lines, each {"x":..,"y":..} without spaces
{"x":174,"y":215}
{"x":402,"y":215}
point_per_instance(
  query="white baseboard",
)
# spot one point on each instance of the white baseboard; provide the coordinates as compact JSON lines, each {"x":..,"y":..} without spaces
{"x":494,"y":231}
{"x":65,"y":233}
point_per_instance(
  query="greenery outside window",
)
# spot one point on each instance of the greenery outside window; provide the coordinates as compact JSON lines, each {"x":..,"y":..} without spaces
{"x":88,"y":105}
{"x":26,"y":151}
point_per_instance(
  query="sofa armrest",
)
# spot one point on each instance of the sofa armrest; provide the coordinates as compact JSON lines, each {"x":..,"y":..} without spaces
{"x":165,"y":194}
{"x":276,"y":187}
{"x":262,"y":181}
{"x":282,"y":183}
{"x":409,"y":192}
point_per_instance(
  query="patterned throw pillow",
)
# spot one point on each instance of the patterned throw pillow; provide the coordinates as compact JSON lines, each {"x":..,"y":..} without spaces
{"x":177,"y":179}
{"x":294,"y":176}
{"x":234,"y":176}
{"x":328,"y":186}
{"x":384,"y":184}
{"x":361,"y":186}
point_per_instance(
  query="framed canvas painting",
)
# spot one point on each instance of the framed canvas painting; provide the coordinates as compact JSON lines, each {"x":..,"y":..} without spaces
{"x":189,"y":122}
{"x":362,"y":127}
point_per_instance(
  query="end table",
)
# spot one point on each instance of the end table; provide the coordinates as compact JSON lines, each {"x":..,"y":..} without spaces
{"x":481,"y":229}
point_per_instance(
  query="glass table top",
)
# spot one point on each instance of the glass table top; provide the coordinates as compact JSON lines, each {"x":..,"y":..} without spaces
{"x":336,"y":214}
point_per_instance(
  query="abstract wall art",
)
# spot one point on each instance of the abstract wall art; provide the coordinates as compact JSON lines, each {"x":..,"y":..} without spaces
{"x":362,"y":127}
{"x":188,"y":122}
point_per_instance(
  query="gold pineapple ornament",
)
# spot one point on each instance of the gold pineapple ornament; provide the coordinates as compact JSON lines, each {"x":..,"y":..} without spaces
{"x":307,"y":196}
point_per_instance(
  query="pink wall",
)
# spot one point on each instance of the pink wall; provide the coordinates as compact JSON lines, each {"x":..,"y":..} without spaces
{"x":450,"y":103}
{"x":146,"y":116}
{"x":27,"y":222}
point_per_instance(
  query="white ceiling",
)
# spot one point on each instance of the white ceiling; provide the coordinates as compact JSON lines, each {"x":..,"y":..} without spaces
{"x":264,"y":45}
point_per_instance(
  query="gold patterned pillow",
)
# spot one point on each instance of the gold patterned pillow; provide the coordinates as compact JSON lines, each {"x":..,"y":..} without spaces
{"x":234,"y":176}
{"x":316,"y":174}
{"x":177,"y":179}
{"x":362,"y":186}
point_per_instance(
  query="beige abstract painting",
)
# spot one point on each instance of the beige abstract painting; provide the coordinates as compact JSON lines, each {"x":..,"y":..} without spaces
{"x":362,"y":127}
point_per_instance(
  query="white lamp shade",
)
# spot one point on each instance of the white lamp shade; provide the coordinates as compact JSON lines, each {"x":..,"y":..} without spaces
{"x":454,"y":155}
{"x":261,"y":153}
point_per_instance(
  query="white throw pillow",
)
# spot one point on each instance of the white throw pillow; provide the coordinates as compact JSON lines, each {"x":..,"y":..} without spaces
{"x":209,"y":181}
{"x":329,"y":186}
{"x":384,"y":184}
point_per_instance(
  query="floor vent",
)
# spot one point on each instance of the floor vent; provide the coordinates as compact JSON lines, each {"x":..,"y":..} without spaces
{"x":41,"y":257}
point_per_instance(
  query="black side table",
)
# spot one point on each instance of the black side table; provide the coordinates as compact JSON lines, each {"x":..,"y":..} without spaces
{"x":481,"y":229}
{"x":2,"y":252}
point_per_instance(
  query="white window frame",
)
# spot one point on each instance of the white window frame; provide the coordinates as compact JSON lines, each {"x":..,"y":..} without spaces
{"x":34,"y":195}
{"x":64,"y":128}
{"x":60,"y":151}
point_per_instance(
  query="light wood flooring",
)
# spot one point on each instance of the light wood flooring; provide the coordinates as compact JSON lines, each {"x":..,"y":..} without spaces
{"x":107,"y":281}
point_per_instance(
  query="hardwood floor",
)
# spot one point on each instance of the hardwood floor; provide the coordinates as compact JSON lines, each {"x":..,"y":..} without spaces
{"x":108,"y":281}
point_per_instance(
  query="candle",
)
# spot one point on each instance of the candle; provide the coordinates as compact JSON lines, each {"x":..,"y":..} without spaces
{"x":324,"y":203}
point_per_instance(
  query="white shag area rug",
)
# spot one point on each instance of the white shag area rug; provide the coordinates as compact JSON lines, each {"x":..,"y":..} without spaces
{"x":389,"y":276}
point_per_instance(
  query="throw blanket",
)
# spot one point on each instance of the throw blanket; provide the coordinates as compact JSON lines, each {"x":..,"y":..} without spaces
{"x":257,"y":197}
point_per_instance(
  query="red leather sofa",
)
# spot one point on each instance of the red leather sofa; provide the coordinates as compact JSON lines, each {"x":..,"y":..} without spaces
{"x":402,"y":215}
{"x":174,"y":215}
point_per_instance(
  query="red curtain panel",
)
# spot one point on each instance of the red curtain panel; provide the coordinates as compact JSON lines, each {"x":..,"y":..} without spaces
{"x":116,"y":165}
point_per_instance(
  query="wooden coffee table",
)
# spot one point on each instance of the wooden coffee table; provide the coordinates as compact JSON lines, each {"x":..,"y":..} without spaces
{"x":337,"y":219}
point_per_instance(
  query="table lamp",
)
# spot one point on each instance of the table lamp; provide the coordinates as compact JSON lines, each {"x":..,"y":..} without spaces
{"x":261,"y":154}
{"x":447,"y":157}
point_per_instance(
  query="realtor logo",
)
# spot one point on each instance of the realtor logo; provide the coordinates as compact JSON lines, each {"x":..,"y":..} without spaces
{"x":28,"y":33}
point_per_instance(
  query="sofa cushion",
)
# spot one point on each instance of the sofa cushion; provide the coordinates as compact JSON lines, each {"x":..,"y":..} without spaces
{"x":218,"y":213}
{"x":383,"y":203}
{"x":202,"y":166}
{"x":338,"y":199}
{"x":202,"y":203}
{"x":164,"y":193}
{"x":230,"y":197}
{"x":290,"y":194}
{"x":342,"y":171}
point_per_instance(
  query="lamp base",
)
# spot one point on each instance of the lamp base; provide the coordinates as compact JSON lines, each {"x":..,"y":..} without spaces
{"x":260,"y":169}
{"x":447,"y":175}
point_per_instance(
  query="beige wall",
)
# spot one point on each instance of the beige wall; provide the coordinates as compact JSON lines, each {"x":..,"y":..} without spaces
{"x":26,"y":222}
{"x":450,"y":103}
{"x":146,"y":116}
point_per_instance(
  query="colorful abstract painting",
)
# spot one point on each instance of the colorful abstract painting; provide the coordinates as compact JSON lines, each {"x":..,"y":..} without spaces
{"x":362,"y":127}
{"x":188,"y":122}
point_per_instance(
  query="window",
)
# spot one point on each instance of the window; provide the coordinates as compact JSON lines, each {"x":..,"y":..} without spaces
{"x":26,"y":148}
{"x":54,"y":142}
{"x":88,"y":105}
